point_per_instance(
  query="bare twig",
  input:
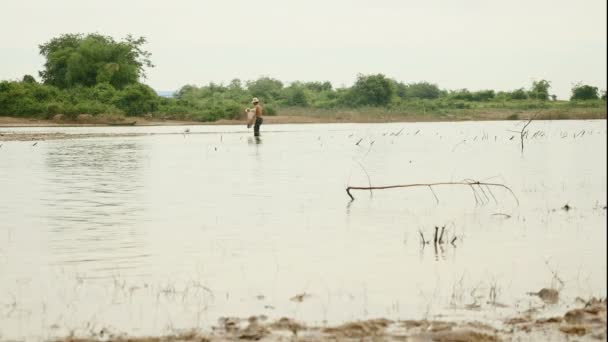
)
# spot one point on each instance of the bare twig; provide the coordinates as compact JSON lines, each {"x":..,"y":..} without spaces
{"x":369,"y":180}
{"x":422,"y":237}
{"x":524,"y":133}
{"x":435,"y":195}
{"x":469,"y":183}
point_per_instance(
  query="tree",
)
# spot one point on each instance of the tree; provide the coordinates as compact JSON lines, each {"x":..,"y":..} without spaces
{"x":584,"y":92}
{"x":28,"y":79}
{"x":372,"y":90}
{"x":235,"y":84}
{"x":137,"y":99}
{"x":422,"y":90}
{"x":466,"y":95}
{"x":540,"y":90}
{"x":297,"y":95}
{"x":400,"y":89}
{"x":265,"y":88}
{"x":79,"y":60}
{"x":518,"y":94}
{"x":318,"y":86}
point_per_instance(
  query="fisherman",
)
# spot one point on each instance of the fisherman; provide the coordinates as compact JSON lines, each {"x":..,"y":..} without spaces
{"x":259,"y":111}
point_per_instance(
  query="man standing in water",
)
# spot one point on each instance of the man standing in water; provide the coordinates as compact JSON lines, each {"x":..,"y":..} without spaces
{"x":258,"y":116}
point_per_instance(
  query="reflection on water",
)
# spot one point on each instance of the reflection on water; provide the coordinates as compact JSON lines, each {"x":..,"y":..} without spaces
{"x":168,"y":231}
{"x":254,"y":140}
{"x":92,"y":202}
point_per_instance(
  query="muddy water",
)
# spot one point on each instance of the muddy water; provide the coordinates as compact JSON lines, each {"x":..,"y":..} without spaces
{"x":167,"y":231}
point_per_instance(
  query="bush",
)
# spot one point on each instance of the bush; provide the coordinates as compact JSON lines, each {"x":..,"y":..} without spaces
{"x":104,"y":92}
{"x":372,"y":90}
{"x":20,"y":99}
{"x":584,"y":92}
{"x":137,"y":99}
{"x":296,"y":95}
{"x":270,"y":110}
{"x":540,"y":90}
{"x":28,"y":79}
{"x":517,"y":94}
{"x":266,"y":89}
{"x":421,"y":90}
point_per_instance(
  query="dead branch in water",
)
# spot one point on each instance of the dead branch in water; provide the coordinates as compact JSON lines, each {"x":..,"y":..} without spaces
{"x":477,"y":187}
{"x":441,"y":235}
{"x":524,"y":133}
{"x":369,"y":181}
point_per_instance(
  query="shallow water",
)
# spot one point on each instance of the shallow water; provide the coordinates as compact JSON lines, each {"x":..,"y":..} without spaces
{"x":168,"y":231}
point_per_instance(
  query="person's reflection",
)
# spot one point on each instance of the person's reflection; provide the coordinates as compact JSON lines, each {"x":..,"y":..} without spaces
{"x":254,"y":140}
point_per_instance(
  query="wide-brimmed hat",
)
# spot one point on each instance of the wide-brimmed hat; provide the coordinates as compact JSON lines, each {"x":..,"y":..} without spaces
{"x":255,"y":100}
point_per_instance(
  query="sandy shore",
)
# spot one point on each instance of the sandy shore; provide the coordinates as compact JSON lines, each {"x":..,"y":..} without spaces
{"x":6,"y":121}
{"x":12,"y":122}
{"x":585,"y":322}
{"x":297,"y":117}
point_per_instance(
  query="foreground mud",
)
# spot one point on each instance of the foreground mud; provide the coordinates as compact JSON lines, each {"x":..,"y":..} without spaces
{"x":587,"y":322}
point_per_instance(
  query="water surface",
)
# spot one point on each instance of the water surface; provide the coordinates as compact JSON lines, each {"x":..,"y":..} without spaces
{"x":167,"y":231}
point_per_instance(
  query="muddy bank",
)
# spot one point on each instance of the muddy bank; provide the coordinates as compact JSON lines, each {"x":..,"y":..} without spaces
{"x":89,"y":121}
{"x":60,"y":136}
{"x":141,"y":121}
{"x":298,"y":116}
{"x":586,"y":322}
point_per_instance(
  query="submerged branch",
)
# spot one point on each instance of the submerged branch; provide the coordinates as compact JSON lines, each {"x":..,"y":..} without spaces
{"x":468,"y":183}
{"x":524,"y":133}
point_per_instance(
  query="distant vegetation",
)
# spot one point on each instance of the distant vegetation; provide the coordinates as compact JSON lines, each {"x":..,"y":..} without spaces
{"x":95,"y":74}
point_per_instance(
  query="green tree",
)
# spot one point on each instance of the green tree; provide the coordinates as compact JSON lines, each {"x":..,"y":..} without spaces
{"x":540,"y":90}
{"x":297,"y":95}
{"x":518,"y":94}
{"x":400,"y":89}
{"x":372,"y":90}
{"x":265,"y":88}
{"x":28,"y":79}
{"x":137,"y":99}
{"x":422,"y":90}
{"x":318,"y":86}
{"x":235,"y":84}
{"x":584,"y":92}
{"x":79,"y":60}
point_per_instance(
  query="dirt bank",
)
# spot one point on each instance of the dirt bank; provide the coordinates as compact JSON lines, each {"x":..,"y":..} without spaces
{"x":296,"y":116}
{"x":586,"y":322}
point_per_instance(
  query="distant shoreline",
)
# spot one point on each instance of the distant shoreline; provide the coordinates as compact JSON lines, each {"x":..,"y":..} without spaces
{"x":308,"y":117}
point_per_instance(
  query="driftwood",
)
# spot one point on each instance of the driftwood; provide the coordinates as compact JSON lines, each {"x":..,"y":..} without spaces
{"x":524,"y":133}
{"x":480,"y":190}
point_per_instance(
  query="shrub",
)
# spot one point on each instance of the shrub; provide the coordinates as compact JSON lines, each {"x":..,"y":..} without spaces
{"x":421,"y":90}
{"x":137,"y":99}
{"x":372,"y":90}
{"x":584,"y":92}
{"x":540,"y":90}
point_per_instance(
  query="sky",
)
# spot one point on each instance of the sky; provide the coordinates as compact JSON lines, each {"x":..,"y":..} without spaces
{"x":474,"y":44}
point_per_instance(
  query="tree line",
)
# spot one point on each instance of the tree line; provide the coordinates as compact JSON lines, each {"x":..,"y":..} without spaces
{"x":96,"y":74}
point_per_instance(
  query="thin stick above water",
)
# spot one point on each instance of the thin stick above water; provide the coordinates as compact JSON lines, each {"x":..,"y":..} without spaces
{"x":469,"y":183}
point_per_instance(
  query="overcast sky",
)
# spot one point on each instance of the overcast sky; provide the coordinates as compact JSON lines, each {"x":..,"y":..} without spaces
{"x":475,"y":44}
